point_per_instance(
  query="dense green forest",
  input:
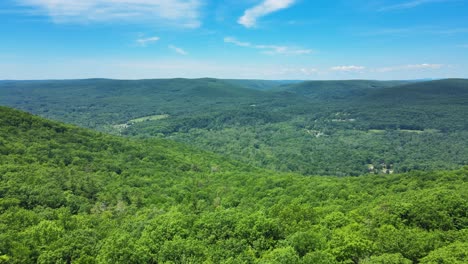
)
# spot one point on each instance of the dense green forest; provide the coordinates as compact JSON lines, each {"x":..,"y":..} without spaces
{"x":71,"y":195}
{"x":314,"y":127}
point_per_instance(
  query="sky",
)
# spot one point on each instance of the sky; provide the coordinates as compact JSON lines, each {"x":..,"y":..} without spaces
{"x":241,"y":39}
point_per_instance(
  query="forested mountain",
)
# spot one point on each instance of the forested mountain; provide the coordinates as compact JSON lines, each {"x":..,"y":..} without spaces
{"x":428,"y":105}
{"x":346,"y":89}
{"x":97,"y":102}
{"x":263,"y":85}
{"x":315,"y":127}
{"x":439,"y":90}
{"x":71,"y":195}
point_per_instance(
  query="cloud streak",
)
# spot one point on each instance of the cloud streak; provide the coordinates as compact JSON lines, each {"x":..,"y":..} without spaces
{"x":237,"y":42}
{"x":409,"y":4}
{"x":269,"y":49}
{"x":423,"y":66}
{"x":348,"y":68}
{"x":183,"y":13}
{"x":251,"y":15}
{"x":178,"y":50}
{"x":145,"y":41}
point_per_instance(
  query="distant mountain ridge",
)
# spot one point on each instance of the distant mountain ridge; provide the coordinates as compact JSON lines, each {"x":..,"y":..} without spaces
{"x":338,"y":89}
{"x":447,"y":88}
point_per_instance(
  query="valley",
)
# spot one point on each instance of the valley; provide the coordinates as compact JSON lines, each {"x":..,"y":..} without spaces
{"x":265,"y":123}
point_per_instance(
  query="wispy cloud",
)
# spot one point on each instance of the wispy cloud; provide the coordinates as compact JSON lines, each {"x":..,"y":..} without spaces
{"x":145,"y":41}
{"x":184,"y":13}
{"x":348,"y":68}
{"x":269,"y":49}
{"x":411,"y":31}
{"x":465,"y":46}
{"x":308,"y":71}
{"x":274,"y":49}
{"x":251,"y":15}
{"x":178,"y":50}
{"x":410,"y":4}
{"x":423,"y":66}
{"x":237,"y":42}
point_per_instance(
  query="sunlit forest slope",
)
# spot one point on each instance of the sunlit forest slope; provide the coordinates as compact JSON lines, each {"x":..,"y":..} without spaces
{"x":71,"y":195}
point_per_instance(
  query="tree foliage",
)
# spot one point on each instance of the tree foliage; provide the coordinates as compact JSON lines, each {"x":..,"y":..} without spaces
{"x":70,"y":195}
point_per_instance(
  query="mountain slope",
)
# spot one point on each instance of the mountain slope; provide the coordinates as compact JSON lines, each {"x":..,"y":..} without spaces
{"x":97,"y":102}
{"x":429,"y":92}
{"x":328,"y":90}
{"x":262,"y":85}
{"x":69,"y":195}
{"x":441,"y":104}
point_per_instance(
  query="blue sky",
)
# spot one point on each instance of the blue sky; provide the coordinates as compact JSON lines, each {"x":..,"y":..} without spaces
{"x":254,"y":39}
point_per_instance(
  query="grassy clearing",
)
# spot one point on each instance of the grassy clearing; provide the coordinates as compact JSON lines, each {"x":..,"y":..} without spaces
{"x":376,"y":131}
{"x":148,"y":118}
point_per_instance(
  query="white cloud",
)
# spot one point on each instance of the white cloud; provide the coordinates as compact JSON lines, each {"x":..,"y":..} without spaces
{"x":309,"y":71}
{"x":273,"y":49}
{"x":145,"y":41}
{"x":183,"y":13}
{"x":178,"y":50}
{"x":348,"y":68}
{"x":237,"y":42}
{"x":269,"y":49}
{"x":423,"y":66}
{"x":251,"y":15}
{"x":409,"y":4}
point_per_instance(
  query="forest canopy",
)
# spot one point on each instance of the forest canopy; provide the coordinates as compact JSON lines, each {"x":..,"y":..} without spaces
{"x":71,"y":195}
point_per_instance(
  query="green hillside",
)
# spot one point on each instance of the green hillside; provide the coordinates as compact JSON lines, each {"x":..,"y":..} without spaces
{"x":314,"y":128}
{"x":326,"y":90}
{"x":263,"y":85}
{"x":441,"y":104}
{"x":423,"y":91}
{"x":98,"y":102}
{"x":70,"y":195}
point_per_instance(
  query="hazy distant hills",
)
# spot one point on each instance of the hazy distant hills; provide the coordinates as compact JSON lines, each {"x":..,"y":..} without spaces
{"x":440,"y":90}
{"x":103,"y":100}
{"x":313,"y":127}
{"x":338,"y":89}
{"x":263,"y":85}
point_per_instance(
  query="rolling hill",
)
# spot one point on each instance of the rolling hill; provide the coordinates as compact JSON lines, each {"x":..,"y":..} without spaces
{"x":317,"y":127}
{"x":262,"y":85}
{"x":97,"y":102}
{"x":333,"y":90}
{"x":432,"y":91}
{"x":440,"y":104}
